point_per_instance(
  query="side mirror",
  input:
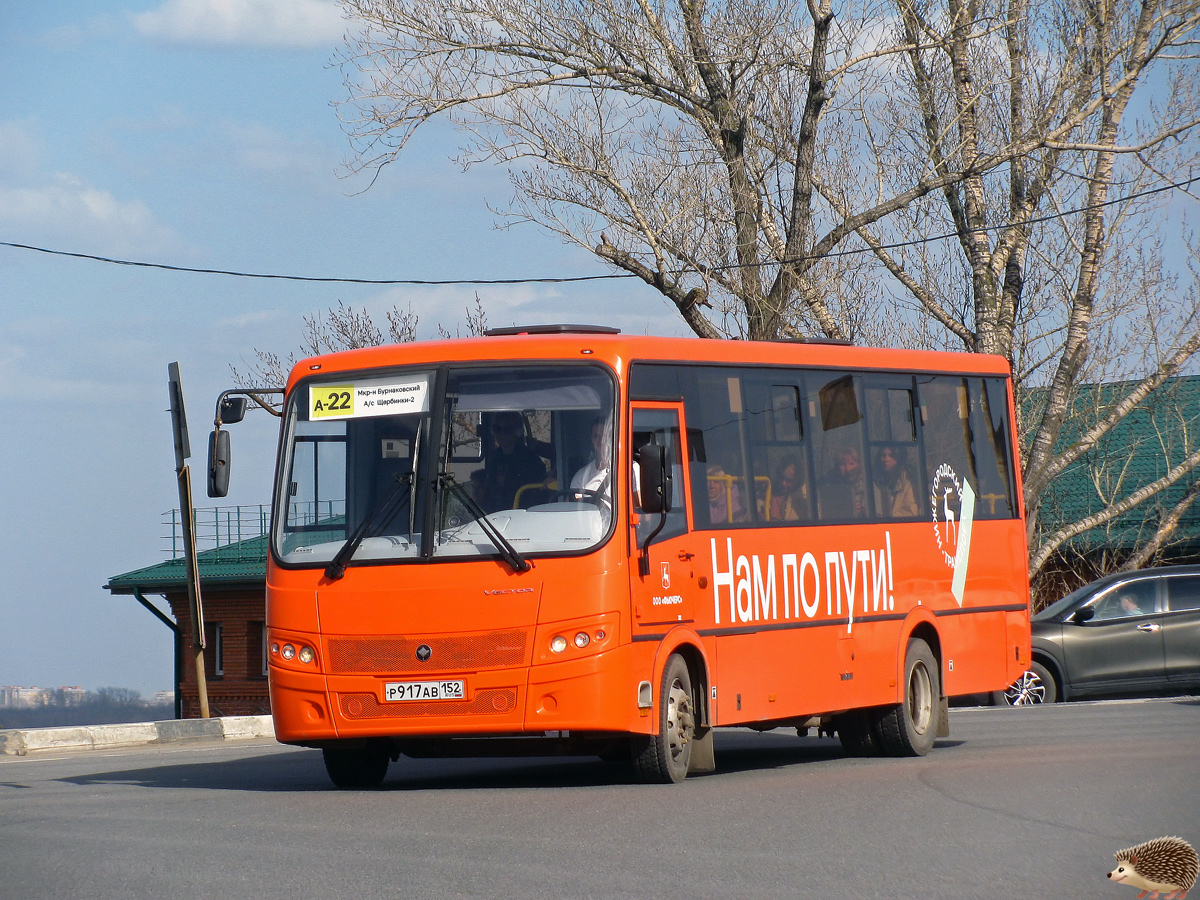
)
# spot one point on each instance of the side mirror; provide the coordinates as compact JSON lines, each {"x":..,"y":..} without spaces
{"x":654,"y":478}
{"x":1083,"y":615}
{"x":218,"y":461}
{"x":232,"y":410}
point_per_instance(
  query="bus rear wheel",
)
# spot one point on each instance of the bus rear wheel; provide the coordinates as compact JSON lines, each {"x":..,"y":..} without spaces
{"x":858,"y":730}
{"x":910,"y":727}
{"x":356,"y":767}
{"x":663,"y":758}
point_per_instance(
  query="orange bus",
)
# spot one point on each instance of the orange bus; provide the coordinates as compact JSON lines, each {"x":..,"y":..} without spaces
{"x":561,"y":539}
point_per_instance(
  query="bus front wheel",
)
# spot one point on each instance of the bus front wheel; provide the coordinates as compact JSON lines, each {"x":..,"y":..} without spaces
{"x":356,"y":767}
{"x":910,"y":727}
{"x":663,"y":758}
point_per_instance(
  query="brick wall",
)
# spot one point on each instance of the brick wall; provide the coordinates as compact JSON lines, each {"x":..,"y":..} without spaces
{"x":241,"y":688}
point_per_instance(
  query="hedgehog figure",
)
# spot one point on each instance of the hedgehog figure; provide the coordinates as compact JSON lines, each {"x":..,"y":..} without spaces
{"x":1166,"y":864}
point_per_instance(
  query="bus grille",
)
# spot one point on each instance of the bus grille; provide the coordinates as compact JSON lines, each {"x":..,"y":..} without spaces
{"x":397,"y":655}
{"x":489,"y":701}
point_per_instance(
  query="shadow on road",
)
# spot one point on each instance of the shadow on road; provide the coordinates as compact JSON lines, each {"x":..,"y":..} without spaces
{"x":303,"y":770}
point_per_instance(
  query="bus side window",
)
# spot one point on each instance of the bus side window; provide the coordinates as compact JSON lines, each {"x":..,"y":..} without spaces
{"x":945,"y":414}
{"x":892,"y":439}
{"x":720,"y":489}
{"x":661,"y":426}
{"x":989,"y":404}
{"x":778,"y":459}
{"x":835,"y":408}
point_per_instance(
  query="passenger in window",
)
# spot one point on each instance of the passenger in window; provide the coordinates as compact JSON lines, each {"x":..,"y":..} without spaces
{"x":511,"y":465}
{"x":785,"y":491}
{"x":1129,"y":605}
{"x":594,"y":479}
{"x":895,"y":496}
{"x":725,"y":501}
{"x":1120,"y":606}
{"x":844,"y":490}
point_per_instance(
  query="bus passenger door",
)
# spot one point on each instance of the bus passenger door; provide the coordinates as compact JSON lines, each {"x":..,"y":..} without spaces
{"x":667,"y":593}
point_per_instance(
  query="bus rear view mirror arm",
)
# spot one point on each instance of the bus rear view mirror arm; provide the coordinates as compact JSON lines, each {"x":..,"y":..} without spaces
{"x":231,"y":409}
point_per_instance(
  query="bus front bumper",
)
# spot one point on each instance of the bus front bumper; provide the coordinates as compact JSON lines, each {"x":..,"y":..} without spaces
{"x":597,"y":693}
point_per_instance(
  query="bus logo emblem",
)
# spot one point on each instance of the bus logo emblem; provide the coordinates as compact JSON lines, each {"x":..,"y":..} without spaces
{"x":953,"y":504}
{"x":945,"y":499}
{"x":424,"y":652}
{"x":666,"y":576}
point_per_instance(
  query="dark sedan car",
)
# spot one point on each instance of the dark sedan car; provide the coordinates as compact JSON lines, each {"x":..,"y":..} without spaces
{"x":1129,"y":633}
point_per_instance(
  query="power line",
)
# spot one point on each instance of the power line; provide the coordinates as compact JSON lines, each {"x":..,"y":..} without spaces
{"x":579,"y":278}
{"x":280,"y":277}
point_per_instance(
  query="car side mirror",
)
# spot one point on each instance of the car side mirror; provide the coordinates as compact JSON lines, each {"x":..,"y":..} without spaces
{"x":654,"y":479}
{"x":218,"y":461}
{"x":1083,"y":615}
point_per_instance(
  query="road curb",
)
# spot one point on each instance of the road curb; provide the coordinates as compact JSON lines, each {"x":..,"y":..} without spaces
{"x":23,"y":741}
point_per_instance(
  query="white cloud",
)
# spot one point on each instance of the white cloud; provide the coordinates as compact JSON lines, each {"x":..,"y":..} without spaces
{"x":36,"y":206}
{"x":255,"y":23}
{"x":66,"y":207}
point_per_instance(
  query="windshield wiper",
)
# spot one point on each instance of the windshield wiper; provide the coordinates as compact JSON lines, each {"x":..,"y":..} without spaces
{"x":391,"y":502}
{"x":508,"y":552}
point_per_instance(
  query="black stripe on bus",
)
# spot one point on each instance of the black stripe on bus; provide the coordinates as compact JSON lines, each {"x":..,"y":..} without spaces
{"x":823,"y":623}
{"x":1010,"y":607}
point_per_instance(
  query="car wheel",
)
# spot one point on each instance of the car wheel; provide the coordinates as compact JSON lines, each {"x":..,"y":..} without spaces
{"x":1034,"y":687}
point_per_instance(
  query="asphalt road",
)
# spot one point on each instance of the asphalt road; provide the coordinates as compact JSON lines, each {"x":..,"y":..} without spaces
{"x":1024,"y":803}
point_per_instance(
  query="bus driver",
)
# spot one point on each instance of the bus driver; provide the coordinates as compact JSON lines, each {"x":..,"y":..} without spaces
{"x":594,"y":479}
{"x":511,"y":465}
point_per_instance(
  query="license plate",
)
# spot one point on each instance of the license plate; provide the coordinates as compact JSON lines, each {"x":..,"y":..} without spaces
{"x":424,"y":690}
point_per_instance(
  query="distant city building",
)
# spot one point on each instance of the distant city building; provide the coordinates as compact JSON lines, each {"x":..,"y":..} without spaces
{"x":12,"y":697}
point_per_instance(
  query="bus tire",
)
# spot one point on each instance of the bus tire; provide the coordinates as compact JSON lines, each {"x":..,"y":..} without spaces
{"x":615,"y":751}
{"x":664,"y":757}
{"x":356,"y":767}
{"x":910,"y":727}
{"x":858,"y":730}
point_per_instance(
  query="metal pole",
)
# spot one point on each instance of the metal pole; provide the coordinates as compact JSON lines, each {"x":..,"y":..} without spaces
{"x":184,"y":478}
{"x":193,"y":584}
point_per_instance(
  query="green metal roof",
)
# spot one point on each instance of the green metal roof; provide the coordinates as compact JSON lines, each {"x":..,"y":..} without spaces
{"x":240,"y":563}
{"x":1139,"y":450}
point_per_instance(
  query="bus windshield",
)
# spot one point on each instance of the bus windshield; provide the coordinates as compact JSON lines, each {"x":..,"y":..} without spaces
{"x":467,"y":462}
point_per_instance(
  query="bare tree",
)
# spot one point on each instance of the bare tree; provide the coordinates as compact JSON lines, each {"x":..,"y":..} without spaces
{"x":347,"y":328}
{"x":683,"y":143}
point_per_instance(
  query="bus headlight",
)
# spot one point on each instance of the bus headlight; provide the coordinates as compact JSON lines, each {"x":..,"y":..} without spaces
{"x":559,"y":641}
{"x":288,"y":652}
{"x":307,"y":655}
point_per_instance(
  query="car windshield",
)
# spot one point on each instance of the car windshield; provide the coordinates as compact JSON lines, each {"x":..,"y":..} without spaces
{"x":470,"y":462}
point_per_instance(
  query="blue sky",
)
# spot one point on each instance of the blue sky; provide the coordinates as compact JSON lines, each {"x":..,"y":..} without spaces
{"x":197,"y":133}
